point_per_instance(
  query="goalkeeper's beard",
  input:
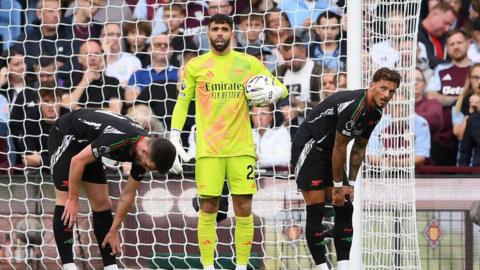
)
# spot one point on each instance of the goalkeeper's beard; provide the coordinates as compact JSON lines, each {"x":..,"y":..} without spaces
{"x":220,"y":48}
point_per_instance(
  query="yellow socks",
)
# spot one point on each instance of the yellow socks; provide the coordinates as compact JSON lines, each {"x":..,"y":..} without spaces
{"x":207,"y":236}
{"x":243,"y":238}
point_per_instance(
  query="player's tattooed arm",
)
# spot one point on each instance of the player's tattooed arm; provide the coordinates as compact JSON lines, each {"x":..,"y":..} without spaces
{"x":339,"y":156}
{"x":357,"y":155}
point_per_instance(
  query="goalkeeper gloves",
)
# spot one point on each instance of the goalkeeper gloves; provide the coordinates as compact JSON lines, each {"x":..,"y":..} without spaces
{"x":181,"y":154}
{"x":265,"y":96}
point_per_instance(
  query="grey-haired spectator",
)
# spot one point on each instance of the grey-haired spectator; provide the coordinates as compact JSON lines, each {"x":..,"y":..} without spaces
{"x":160,"y":71}
{"x":328,"y":46}
{"x":119,"y":64}
{"x":445,"y":86}
{"x":432,"y":30}
{"x":91,"y":87}
{"x":137,"y":34}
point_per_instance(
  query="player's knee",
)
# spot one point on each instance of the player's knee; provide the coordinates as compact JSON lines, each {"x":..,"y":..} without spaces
{"x":242,"y":205}
{"x":100,"y":204}
{"x":209,"y":204}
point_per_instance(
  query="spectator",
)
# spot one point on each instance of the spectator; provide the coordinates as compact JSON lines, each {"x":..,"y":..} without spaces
{"x":12,"y":77}
{"x":396,"y":49}
{"x":474,"y":49}
{"x":272,"y":143}
{"x":278,"y":30}
{"x":386,"y":136}
{"x":470,"y":146}
{"x":432,"y":32}
{"x":250,"y":32}
{"x":120,"y":65}
{"x":152,"y":11}
{"x":37,"y":126}
{"x":159,"y":71}
{"x":328,"y":47}
{"x":461,"y":20}
{"x":46,"y":37}
{"x":137,"y":33}
{"x":301,"y":13}
{"x":81,"y":25}
{"x":467,"y":103}
{"x":143,"y":115}
{"x":26,"y":104}
{"x":430,"y":109}
{"x":422,"y":62}
{"x":174,"y":17}
{"x":445,"y":86}
{"x":301,"y":75}
{"x":10,"y":22}
{"x":342,"y":81}
{"x":330,"y":81}
{"x":262,"y":5}
{"x":92,"y":88}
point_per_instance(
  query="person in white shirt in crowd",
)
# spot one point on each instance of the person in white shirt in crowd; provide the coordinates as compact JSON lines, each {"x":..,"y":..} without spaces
{"x":272,"y":143}
{"x":474,"y":48}
{"x":300,"y":74}
{"x":119,"y":64}
{"x":383,"y":139}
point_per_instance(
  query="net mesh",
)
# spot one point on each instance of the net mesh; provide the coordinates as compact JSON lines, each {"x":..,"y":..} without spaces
{"x":160,"y":230}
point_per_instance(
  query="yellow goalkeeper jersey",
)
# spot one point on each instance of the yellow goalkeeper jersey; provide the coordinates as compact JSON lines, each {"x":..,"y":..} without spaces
{"x":222,"y":114}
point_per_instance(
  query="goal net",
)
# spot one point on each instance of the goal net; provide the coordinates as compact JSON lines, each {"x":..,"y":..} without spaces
{"x":160,"y":230}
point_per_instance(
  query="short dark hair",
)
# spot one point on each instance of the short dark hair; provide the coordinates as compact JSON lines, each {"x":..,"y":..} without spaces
{"x":329,"y":15}
{"x":46,"y":61}
{"x":387,"y":75}
{"x":221,"y":18}
{"x":457,"y":31}
{"x":163,"y":154}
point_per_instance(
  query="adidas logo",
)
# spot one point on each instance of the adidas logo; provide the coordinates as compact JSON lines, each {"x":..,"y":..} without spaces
{"x":447,"y":78}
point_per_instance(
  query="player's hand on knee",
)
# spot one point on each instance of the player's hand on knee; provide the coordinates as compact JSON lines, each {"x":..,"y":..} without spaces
{"x":338,"y":196}
{"x":69,"y":216}
{"x":112,"y":240}
{"x":351,"y":192}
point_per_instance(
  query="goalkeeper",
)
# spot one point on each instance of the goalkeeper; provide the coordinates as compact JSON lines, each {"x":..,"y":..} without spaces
{"x":77,"y":142}
{"x":224,"y":140}
{"x":319,"y":152}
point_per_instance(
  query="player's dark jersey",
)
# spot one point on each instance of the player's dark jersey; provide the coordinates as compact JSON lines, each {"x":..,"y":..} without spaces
{"x":345,"y":112}
{"x":111,"y":135}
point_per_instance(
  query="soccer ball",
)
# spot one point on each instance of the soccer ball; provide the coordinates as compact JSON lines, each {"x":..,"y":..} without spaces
{"x":258,"y":82}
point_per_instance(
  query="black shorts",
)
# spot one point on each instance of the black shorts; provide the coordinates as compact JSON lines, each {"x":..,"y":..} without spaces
{"x":61,"y":149}
{"x":313,"y":167}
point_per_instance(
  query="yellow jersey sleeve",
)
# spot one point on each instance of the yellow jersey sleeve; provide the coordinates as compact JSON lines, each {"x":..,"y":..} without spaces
{"x":185,"y":95}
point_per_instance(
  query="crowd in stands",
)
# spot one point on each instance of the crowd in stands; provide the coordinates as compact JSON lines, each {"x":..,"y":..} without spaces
{"x":127,"y":56}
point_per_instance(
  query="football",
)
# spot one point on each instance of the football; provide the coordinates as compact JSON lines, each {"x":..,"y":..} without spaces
{"x":258,"y":82}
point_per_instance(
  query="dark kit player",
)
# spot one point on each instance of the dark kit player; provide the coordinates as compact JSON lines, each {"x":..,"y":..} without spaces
{"x":77,"y":143}
{"x":319,"y":152}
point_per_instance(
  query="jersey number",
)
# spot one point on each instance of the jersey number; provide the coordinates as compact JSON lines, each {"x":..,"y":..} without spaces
{"x":250,"y":175}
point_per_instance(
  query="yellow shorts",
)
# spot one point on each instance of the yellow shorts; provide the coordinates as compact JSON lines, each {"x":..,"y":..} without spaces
{"x":211,"y":172}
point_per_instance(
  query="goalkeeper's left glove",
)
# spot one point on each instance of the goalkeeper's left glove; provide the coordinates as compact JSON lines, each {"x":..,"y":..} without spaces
{"x":268,"y":95}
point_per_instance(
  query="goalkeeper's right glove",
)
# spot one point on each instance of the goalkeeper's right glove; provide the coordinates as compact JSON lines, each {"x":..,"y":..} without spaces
{"x":181,"y":154}
{"x":265,"y":96}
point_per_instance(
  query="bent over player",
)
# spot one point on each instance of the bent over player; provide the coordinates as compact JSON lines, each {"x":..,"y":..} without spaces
{"x":77,"y":143}
{"x":319,"y":152}
{"x":224,"y":139}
